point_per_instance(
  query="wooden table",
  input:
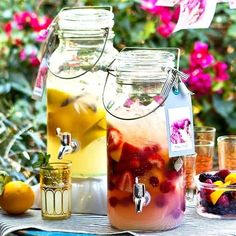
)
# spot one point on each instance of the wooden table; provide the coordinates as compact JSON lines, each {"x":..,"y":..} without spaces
{"x":193,"y":225}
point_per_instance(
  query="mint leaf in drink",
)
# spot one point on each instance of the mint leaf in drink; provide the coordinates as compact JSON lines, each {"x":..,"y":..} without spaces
{"x":43,"y":160}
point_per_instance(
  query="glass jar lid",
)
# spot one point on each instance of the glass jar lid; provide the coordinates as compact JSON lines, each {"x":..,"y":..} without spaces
{"x":85,"y":20}
{"x":143,"y":65}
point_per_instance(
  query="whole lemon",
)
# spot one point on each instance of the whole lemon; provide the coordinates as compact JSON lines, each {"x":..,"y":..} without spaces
{"x":17,"y":197}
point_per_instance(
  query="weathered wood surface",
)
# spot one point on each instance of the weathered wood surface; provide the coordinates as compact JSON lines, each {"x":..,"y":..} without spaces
{"x":193,"y":225}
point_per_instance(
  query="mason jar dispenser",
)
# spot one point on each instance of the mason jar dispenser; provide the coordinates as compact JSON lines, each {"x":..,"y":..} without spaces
{"x":76,"y":126}
{"x":149,"y":129}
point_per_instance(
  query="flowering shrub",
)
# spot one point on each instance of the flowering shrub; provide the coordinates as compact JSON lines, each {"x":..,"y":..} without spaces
{"x":204,"y":71}
{"x":23,"y":33}
{"x":209,"y":59}
{"x":22,"y":120}
{"x":167,"y":16}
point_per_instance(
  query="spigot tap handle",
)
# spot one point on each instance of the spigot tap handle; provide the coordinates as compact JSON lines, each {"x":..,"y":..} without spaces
{"x":139,"y":189}
{"x":65,"y":137}
{"x":68,"y":145}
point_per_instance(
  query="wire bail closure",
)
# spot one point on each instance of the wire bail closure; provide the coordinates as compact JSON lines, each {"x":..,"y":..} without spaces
{"x":174,"y":78}
{"x":51,"y":40}
{"x":106,"y":34}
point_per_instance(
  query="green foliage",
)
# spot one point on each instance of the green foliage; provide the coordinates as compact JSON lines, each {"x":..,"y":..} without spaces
{"x":43,"y":160}
{"x":4,"y":179}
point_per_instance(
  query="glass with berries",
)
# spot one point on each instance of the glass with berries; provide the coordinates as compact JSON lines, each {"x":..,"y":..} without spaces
{"x":145,"y":186}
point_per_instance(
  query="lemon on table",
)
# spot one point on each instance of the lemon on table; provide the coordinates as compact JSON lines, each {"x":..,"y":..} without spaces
{"x":17,"y":197}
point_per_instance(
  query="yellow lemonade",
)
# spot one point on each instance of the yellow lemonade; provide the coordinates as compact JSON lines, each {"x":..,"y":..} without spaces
{"x":82,"y":115}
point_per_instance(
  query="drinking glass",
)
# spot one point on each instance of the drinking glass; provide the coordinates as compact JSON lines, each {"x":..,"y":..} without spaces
{"x":227,"y":152}
{"x":205,"y":154}
{"x":204,"y":146}
{"x":189,"y":173}
{"x":205,"y":133}
{"x":55,"y":185}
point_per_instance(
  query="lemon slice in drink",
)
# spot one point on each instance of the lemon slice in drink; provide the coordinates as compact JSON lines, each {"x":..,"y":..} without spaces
{"x":91,"y":135}
{"x":218,"y":192}
{"x":55,"y":98}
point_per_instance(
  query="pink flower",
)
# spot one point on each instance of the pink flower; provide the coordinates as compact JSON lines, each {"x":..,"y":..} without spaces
{"x":220,"y":69}
{"x":175,"y":14}
{"x":29,"y":54}
{"x":165,"y":30}
{"x":23,"y":55}
{"x":24,"y":19}
{"x":165,"y":15}
{"x":149,"y":6}
{"x":41,"y":36}
{"x":41,"y":23}
{"x":201,"y":57}
{"x":30,"y":19}
{"x":7,"y":28}
{"x":17,"y":42}
{"x":200,"y":82}
{"x":34,"y":61}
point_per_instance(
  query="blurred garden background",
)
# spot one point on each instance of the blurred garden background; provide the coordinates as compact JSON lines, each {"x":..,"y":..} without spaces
{"x":208,"y":56}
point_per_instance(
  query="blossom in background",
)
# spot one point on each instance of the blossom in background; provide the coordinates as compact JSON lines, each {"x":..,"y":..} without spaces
{"x":168,"y":17}
{"x":29,"y":54}
{"x":199,"y":82}
{"x":204,"y":71}
{"x":221,"y":73}
{"x":41,"y":36}
{"x":27,"y":21}
{"x":7,"y":28}
{"x":150,"y":7}
{"x":201,"y":57}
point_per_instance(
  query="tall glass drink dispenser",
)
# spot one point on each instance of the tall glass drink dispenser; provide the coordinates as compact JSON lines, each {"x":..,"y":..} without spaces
{"x":76,"y":126}
{"x":149,"y":130}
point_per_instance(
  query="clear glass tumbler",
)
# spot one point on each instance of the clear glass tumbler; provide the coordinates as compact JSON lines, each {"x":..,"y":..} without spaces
{"x":189,"y":172}
{"x":205,"y":155}
{"x":205,"y":133}
{"x":55,"y":185}
{"x":227,"y":152}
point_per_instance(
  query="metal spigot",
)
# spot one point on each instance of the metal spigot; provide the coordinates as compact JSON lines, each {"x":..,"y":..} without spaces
{"x":68,"y":145}
{"x":141,"y":196}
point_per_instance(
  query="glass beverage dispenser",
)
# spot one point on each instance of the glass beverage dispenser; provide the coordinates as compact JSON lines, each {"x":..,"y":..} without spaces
{"x":76,"y":126}
{"x":149,"y":130}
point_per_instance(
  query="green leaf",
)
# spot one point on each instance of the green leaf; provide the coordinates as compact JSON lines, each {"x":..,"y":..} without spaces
{"x":19,"y":83}
{"x":149,"y":29}
{"x":5,"y":88}
{"x":4,"y":179}
{"x":43,"y":160}
{"x":232,"y":31}
{"x":224,"y":108}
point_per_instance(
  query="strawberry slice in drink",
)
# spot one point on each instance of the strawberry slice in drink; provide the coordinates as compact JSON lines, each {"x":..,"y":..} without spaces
{"x":129,"y":151}
{"x":125,"y":182}
{"x":114,"y":142}
{"x":156,"y":160}
{"x":114,"y":138}
{"x":149,"y":150}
